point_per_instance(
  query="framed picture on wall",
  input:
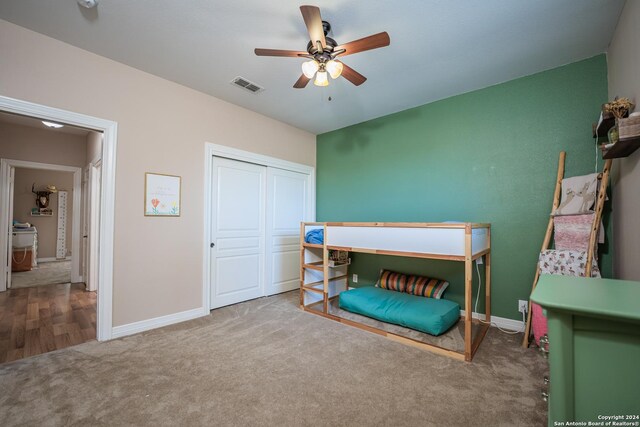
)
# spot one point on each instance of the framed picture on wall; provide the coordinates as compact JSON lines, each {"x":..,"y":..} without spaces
{"x":161,"y":194}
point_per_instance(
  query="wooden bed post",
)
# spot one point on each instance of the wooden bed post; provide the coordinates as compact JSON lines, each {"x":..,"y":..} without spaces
{"x":546,"y":241}
{"x":325,"y":272}
{"x":487,"y":280}
{"x":468,"y":292}
{"x":302,"y":262}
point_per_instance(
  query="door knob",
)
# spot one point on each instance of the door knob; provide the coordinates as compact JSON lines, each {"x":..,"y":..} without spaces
{"x":212,"y":245}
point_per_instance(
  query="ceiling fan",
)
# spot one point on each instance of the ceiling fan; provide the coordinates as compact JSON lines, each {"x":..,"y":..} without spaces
{"x":323,"y":51}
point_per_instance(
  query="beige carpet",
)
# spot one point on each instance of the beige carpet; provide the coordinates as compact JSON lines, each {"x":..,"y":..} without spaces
{"x":265,"y":362}
{"x":46,"y":273}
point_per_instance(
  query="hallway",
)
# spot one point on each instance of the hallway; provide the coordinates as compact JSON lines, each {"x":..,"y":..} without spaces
{"x":40,"y":319}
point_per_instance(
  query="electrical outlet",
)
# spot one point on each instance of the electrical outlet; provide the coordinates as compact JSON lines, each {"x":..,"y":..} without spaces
{"x":479,"y":261}
{"x":355,"y":278}
{"x":522,"y":306}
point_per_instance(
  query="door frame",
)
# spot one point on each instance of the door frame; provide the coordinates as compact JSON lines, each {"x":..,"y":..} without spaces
{"x":210,"y":150}
{"x":109,"y":131}
{"x":85,"y":225}
{"x":93,"y":217}
{"x":75,"y":213}
{"x":6,"y":208}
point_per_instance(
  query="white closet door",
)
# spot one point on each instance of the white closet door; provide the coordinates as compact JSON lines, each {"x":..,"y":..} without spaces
{"x":286,"y":208}
{"x":238,"y":231}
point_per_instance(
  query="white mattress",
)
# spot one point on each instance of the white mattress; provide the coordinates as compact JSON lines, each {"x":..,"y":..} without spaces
{"x":439,"y":241}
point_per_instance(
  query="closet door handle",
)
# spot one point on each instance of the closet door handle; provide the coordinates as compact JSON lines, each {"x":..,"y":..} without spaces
{"x":212,"y":245}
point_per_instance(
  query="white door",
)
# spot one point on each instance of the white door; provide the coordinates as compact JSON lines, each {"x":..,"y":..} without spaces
{"x":238,"y":231}
{"x":286,"y":208}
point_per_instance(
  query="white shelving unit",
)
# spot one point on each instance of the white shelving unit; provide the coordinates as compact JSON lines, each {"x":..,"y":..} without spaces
{"x":61,"y":242}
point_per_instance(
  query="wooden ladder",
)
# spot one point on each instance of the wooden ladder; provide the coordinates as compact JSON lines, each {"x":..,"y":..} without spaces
{"x":602,"y":193}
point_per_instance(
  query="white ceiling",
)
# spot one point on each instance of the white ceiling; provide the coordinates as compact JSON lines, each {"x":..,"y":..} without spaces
{"x":16,"y":119}
{"x":438,"y":48}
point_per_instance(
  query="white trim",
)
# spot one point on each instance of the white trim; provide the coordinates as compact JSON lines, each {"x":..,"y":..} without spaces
{"x":211,"y":150}
{"x":157,"y":322}
{"x":93,"y":226}
{"x":206,"y":248}
{"x":5,"y":224}
{"x":259,"y":159}
{"x":501,"y":322}
{"x":109,"y":131}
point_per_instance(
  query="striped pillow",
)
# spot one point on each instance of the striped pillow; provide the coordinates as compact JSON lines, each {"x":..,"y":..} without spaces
{"x":414,"y":285}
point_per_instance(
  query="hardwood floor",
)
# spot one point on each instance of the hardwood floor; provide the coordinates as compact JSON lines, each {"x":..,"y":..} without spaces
{"x":45,"y":318}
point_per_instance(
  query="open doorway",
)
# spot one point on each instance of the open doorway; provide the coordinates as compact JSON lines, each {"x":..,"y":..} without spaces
{"x":50,"y":281}
{"x":47,"y":299}
{"x":45,"y":243}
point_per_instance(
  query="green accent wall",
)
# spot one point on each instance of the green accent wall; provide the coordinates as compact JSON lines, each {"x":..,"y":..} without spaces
{"x":486,"y":156}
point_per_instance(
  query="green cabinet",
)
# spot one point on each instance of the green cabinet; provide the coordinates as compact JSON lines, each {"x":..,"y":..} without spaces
{"x":594,"y":348}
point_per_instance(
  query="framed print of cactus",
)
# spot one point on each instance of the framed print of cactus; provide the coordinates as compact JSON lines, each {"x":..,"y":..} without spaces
{"x":161,"y":194}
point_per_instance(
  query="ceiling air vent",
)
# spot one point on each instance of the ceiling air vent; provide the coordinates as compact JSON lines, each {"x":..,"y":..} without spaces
{"x":247,"y":85}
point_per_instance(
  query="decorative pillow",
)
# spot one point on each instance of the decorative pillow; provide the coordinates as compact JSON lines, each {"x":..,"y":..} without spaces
{"x":414,"y":285}
{"x":566,"y":263}
{"x":578,"y":194}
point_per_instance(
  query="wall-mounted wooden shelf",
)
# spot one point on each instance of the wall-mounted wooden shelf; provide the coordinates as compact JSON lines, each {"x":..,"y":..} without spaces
{"x":601,"y":128}
{"x":622,"y":148}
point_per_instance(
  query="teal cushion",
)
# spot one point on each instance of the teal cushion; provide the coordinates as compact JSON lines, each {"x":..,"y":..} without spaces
{"x":433,"y":316}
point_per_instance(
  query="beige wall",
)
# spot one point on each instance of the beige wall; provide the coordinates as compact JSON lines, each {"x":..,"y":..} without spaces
{"x":19,"y":142}
{"x":24,"y":201}
{"x":94,"y":147}
{"x":162,"y":127}
{"x":623,"y":60}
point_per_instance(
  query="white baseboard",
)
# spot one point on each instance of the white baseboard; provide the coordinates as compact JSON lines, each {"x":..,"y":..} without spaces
{"x":157,"y":322}
{"x":51,"y":259}
{"x":501,"y":322}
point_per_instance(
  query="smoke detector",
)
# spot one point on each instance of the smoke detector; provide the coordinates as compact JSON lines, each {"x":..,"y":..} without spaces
{"x":88,"y":3}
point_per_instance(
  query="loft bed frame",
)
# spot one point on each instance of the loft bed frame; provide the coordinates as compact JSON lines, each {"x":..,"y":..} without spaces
{"x":463,"y":242}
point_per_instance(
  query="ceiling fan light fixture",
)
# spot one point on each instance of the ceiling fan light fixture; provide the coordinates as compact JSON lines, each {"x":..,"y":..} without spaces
{"x":322,"y":50}
{"x":309,"y":68}
{"x":334,"y":68}
{"x":321,"y":79}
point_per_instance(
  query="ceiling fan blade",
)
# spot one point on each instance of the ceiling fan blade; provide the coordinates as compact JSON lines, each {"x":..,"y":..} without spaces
{"x":367,"y":43}
{"x":352,"y":75}
{"x":302,"y":82}
{"x":313,"y":21}
{"x":278,"y":52}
